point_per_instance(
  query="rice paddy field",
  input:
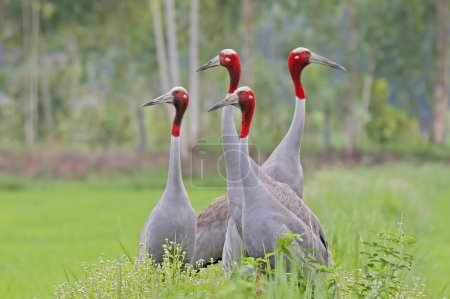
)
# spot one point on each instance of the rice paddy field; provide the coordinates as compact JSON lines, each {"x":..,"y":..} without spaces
{"x":50,"y":229}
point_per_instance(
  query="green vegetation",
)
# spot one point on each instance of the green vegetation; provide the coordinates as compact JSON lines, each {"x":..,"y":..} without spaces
{"x":50,"y":228}
{"x":389,"y":123}
{"x":384,"y":274}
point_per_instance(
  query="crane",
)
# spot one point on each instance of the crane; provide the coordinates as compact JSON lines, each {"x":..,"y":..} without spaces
{"x":264,"y":218}
{"x":212,"y":222}
{"x":173,"y":218}
{"x":284,"y":163}
{"x":214,"y":228}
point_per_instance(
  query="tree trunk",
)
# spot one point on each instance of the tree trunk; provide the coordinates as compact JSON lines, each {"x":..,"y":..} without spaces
{"x":246,"y":40}
{"x":172,"y":42}
{"x":440,"y":109}
{"x":161,"y":52}
{"x":366,"y":95}
{"x":29,"y":136}
{"x":173,"y":62}
{"x":350,"y":120}
{"x":193,"y":84}
{"x":327,"y":128}
{"x":35,"y":23}
{"x":30,"y":22}
{"x":47,"y":101}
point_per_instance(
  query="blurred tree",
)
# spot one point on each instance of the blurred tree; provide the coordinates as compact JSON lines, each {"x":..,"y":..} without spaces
{"x":31,"y":32}
{"x":246,"y":41}
{"x":350,"y":120}
{"x":388,"y":123}
{"x":193,"y":62}
{"x":47,"y":102}
{"x":441,"y":97}
{"x":160,"y":50}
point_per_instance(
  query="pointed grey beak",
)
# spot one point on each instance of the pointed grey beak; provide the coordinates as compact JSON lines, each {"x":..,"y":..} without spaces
{"x":165,"y":98}
{"x":212,"y":63}
{"x":315,"y":58}
{"x":232,"y":99}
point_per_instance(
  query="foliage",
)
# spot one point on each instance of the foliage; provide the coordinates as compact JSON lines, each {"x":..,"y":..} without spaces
{"x":389,"y":123}
{"x":387,"y":262}
{"x":382,"y":276}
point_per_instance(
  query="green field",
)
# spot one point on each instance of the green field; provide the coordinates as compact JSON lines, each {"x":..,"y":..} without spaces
{"x":48,"y":228}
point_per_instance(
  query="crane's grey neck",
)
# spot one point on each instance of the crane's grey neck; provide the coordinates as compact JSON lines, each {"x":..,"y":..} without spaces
{"x":228,"y":128}
{"x":175,"y":179}
{"x":293,"y":138}
{"x":249,"y":179}
{"x":230,"y":143}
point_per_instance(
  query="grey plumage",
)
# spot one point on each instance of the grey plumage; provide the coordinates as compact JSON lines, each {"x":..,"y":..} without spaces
{"x":173,"y":219}
{"x":211,"y":229}
{"x":265,"y":220}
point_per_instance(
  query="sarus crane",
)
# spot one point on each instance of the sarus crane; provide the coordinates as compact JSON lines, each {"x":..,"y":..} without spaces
{"x":173,"y":218}
{"x":264,"y":218}
{"x":284,"y":163}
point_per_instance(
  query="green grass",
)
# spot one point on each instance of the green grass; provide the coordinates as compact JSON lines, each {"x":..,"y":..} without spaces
{"x":49,"y":227}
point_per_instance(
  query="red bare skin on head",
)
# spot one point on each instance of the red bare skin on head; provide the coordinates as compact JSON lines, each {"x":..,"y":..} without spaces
{"x":181,"y":101}
{"x":296,"y":63}
{"x":233,"y":65}
{"x":247,"y":102}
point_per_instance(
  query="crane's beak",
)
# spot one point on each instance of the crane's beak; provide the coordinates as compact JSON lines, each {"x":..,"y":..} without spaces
{"x":232,"y":99}
{"x":212,"y":63}
{"x":165,"y":98}
{"x":315,"y":58}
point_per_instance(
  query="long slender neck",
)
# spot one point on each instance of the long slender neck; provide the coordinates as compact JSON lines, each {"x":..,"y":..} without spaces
{"x":294,"y":136}
{"x":230,"y":144}
{"x":254,"y":197}
{"x":229,"y":136}
{"x":249,"y":178}
{"x":228,"y":129}
{"x":175,"y":179}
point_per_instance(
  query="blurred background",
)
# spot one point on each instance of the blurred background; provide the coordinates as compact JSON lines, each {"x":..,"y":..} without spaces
{"x":81,"y":166}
